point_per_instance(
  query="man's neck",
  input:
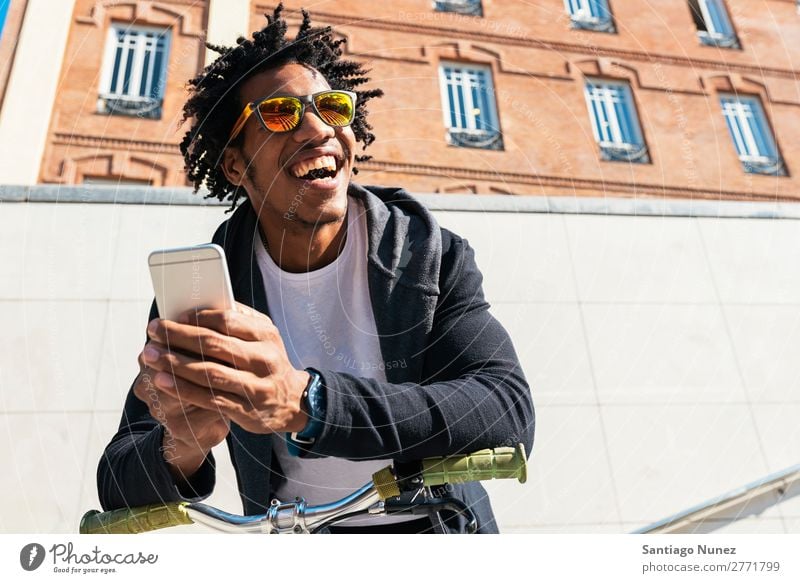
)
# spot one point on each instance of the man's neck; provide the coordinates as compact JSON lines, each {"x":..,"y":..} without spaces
{"x":298,"y":247}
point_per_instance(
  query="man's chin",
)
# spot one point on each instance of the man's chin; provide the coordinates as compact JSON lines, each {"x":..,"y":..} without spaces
{"x":318,"y":207}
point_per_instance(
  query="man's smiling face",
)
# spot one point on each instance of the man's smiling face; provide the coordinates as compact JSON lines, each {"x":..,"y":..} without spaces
{"x":270,"y":165}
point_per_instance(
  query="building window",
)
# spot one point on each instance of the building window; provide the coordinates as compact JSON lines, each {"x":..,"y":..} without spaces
{"x":615,"y":123}
{"x":470,"y":7}
{"x":469,"y":109}
{"x":134,"y":71}
{"x":590,"y":15}
{"x":714,"y":28}
{"x":751,"y":135}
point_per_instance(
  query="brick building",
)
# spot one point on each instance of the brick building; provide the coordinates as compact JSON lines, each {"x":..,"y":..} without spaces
{"x":646,"y":98}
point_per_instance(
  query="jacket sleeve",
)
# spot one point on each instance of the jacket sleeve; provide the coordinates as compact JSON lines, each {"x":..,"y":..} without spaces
{"x":132,"y":470}
{"x":474,"y":395}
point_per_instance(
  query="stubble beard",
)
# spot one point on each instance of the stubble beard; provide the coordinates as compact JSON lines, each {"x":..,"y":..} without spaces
{"x":293,"y":220}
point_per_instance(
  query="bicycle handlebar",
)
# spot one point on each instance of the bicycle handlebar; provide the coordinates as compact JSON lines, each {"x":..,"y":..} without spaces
{"x":487,"y":464}
{"x":135,"y":520}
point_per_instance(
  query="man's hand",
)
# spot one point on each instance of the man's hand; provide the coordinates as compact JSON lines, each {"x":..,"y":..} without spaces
{"x":189,"y":431}
{"x":229,"y":362}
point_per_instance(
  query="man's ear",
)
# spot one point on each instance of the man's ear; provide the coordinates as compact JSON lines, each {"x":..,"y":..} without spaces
{"x":233,"y":165}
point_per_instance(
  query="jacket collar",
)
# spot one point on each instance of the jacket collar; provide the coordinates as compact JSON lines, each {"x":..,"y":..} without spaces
{"x":404,"y":243}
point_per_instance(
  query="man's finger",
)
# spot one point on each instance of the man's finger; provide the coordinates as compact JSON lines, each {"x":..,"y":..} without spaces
{"x":144,"y":381}
{"x":227,"y":404}
{"x":160,"y":402}
{"x":249,"y":311}
{"x":228,"y":322}
{"x":204,"y":342}
{"x":203,"y":373}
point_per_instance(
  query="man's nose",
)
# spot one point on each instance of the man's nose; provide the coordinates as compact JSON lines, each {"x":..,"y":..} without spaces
{"x":312,"y":128}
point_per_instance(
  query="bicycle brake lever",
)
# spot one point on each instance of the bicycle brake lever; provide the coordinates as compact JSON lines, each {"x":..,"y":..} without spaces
{"x":431,"y":505}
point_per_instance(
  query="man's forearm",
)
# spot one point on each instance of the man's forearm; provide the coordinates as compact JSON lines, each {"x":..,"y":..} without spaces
{"x":183,"y":459}
{"x":370,"y":419}
{"x":133,"y":470}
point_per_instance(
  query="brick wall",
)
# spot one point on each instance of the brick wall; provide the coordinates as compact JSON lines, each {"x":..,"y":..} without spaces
{"x":86,"y":144}
{"x":539,"y":65}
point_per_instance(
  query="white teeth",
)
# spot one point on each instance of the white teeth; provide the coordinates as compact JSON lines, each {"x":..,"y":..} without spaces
{"x":306,"y":166}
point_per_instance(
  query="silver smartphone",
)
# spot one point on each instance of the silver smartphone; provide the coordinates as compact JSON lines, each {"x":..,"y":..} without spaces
{"x":190,"y":277}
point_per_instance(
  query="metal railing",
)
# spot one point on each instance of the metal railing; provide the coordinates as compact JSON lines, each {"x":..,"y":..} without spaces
{"x":751,"y":499}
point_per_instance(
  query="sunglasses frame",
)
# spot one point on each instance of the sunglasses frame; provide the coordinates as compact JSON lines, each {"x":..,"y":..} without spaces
{"x":304,"y":100}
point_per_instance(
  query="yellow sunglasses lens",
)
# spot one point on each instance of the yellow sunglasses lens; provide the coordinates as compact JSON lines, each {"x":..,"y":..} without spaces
{"x":335,"y":108}
{"x":281,"y":114}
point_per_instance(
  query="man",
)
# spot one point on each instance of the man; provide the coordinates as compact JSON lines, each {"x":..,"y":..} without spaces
{"x":378,"y":343}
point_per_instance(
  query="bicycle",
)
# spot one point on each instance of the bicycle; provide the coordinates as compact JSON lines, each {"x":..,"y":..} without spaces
{"x":381,"y":496}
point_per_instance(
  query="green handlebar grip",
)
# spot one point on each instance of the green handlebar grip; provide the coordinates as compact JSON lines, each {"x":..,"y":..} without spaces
{"x":135,"y":520}
{"x":487,"y":464}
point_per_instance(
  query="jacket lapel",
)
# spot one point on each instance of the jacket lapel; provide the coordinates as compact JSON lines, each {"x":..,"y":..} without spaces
{"x":404,"y":257}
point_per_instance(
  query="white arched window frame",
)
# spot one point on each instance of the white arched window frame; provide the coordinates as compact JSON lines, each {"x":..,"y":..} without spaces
{"x":468,"y":105}
{"x":714,"y":26}
{"x":615,"y":121}
{"x":751,"y":134}
{"x":134,"y":70}
{"x":590,"y":15}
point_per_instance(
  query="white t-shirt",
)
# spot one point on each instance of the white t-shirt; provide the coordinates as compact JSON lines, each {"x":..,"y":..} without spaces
{"x":325,"y":320}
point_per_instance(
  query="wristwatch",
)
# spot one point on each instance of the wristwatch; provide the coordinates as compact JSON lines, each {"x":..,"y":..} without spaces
{"x":314,"y":400}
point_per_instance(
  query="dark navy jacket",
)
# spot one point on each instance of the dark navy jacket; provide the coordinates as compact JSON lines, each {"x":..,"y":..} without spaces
{"x":454,"y":382}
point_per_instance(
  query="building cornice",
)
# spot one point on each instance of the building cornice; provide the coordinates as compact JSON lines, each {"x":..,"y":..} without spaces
{"x":549,"y":45}
{"x":545,"y":181}
{"x":454,"y":172}
{"x":81,"y":140}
